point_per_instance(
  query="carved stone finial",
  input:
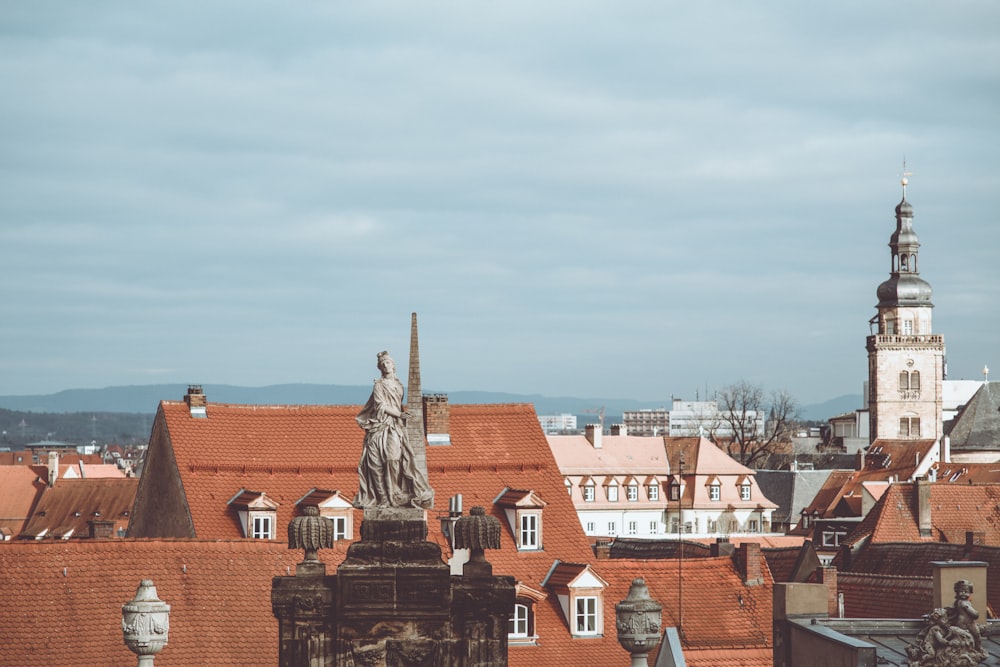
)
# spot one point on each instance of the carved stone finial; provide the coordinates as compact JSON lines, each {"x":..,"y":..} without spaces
{"x":477,"y":531}
{"x":637,"y":619}
{"x":145,"y":623}
{"x":310,"y":532}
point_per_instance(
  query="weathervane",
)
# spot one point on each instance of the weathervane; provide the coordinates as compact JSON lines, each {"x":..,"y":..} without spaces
{"x":904,"y":180}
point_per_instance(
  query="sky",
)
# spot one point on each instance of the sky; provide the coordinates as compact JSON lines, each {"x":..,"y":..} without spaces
{"x":631,"y":199}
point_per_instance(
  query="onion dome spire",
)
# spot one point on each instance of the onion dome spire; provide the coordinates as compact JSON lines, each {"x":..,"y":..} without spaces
{"x":904,"y":287}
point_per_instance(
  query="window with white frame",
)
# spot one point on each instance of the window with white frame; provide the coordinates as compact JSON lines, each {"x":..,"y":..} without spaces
{"x":632,"y":492}
{"x":590,"y":528}
{"x":633,"y":527}
{"x":752,"y":525}
{"x":261,"y":527}
{"x":585,"y":616}
{"x":612,"y":492}
{"x":675,"y":490}
{"x":745,"y":491}
{"x":713,"y":526}
{"x":518,"y":626}
{"x":654,"y":527}
{"x":339,"y":527}
{"x":653,"y":491}
{"x":528,"y":533}
{"x":612,"y":527}
{"x":588,"y":492}
{"x":715,"y":491}
{"x":832,"y":538}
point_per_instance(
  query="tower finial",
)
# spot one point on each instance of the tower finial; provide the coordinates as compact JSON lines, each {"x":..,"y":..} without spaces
{"x":904,"y":180}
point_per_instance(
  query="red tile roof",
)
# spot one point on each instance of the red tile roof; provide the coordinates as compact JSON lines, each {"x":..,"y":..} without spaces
{"x":66,"y":508}
{"x":20,"y":489}
{"x":287,"y":451}
{"x":885,"y":596}
{"x":955,"y":510}
{"x":62,"y":600}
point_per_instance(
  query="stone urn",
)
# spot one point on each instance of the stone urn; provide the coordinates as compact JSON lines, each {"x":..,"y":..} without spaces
{"x":145,"y":622}
{"x":637,"y":619}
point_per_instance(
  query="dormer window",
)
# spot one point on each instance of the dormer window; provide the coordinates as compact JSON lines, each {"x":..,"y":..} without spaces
{"x":653,"y":490}
{"x":715,"y":490}
{"x":258,"y":514}
{"x":632,"y":491}
{"x":569,"y":486}
{"x":334,"y":507}
{"x":581,"y":597}
{"x":676,"y":488}
{"x":521,"y":625}
{"x":744,"y":486}
{"x":588,"y":491}
{"x":524,"y":514}
{"x":612,"y":490}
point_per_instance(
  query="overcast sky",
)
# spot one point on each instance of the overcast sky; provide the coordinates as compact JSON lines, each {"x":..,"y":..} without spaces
{"x":613,"y":199}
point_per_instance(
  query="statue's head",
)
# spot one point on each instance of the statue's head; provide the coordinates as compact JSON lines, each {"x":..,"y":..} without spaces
{"x":385,"y":362}
{"x":963,"y":588}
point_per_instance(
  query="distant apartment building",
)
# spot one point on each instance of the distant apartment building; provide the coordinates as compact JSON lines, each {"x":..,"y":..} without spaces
{"x":689,"y":419}
{"x":647,"y":422}
{"x":557,"y":423}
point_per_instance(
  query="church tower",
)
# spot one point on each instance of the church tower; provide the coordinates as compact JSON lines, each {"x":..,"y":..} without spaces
{"x":905,"y":357}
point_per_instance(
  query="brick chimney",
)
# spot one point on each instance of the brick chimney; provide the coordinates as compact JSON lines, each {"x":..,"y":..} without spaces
{"x":827,"y":576}
{"x":437,"y":419}
{"x":101,"y":529}
{"x":602,"y":549}
{"x":196,"y":401}
{"x":749,"y":561}
{"x":594,"y":435}
{"x":922,"y":505}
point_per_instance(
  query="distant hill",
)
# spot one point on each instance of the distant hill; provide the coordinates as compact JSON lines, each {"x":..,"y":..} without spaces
{"x":144,"y":399}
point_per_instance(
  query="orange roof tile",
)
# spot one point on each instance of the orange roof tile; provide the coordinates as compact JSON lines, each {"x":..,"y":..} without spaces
{"x":66,"y":508}
{"x":285,"y":451}
{"x":20,"y":489}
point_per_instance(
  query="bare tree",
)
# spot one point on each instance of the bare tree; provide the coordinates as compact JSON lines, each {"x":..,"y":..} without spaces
{"x":760,"y":423}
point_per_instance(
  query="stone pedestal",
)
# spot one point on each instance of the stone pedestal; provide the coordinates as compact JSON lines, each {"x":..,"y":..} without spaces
{"x":393,"y":603}
{"x":304,"y":606}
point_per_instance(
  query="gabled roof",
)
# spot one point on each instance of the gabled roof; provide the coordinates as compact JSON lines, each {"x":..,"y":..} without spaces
{"x":20,"y":489}
{"x":977,"y":426}
{"x":791,"y":490}
{"x":617,"y":455}
{"x":67,"y":508}
{"x":512,"y":498}
{"x":955,"y":510}
{"x":702,"y":457}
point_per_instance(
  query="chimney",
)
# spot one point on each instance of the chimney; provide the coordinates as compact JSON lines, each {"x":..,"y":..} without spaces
{"x":437,"y":419}
{"x":602,"y":549}
{"x":196,"y":401}
{"x":749,"y":559}
{"x":53,"y":468}
{"x":722,"y":547}
{"x":975,"y":538}
{"x":454,"y":514}
{"x":619,"y":429}
{"x":594,"y":435}
{"x":922,"y":508}
{"x":101,"y":529}
{"x":827,"y":575}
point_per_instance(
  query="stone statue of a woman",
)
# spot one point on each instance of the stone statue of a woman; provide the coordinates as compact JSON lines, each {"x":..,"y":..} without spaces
{"x":388,"y":475}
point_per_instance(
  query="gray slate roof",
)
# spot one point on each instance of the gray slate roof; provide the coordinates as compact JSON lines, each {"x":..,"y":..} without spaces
{"x":977,"y":426}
